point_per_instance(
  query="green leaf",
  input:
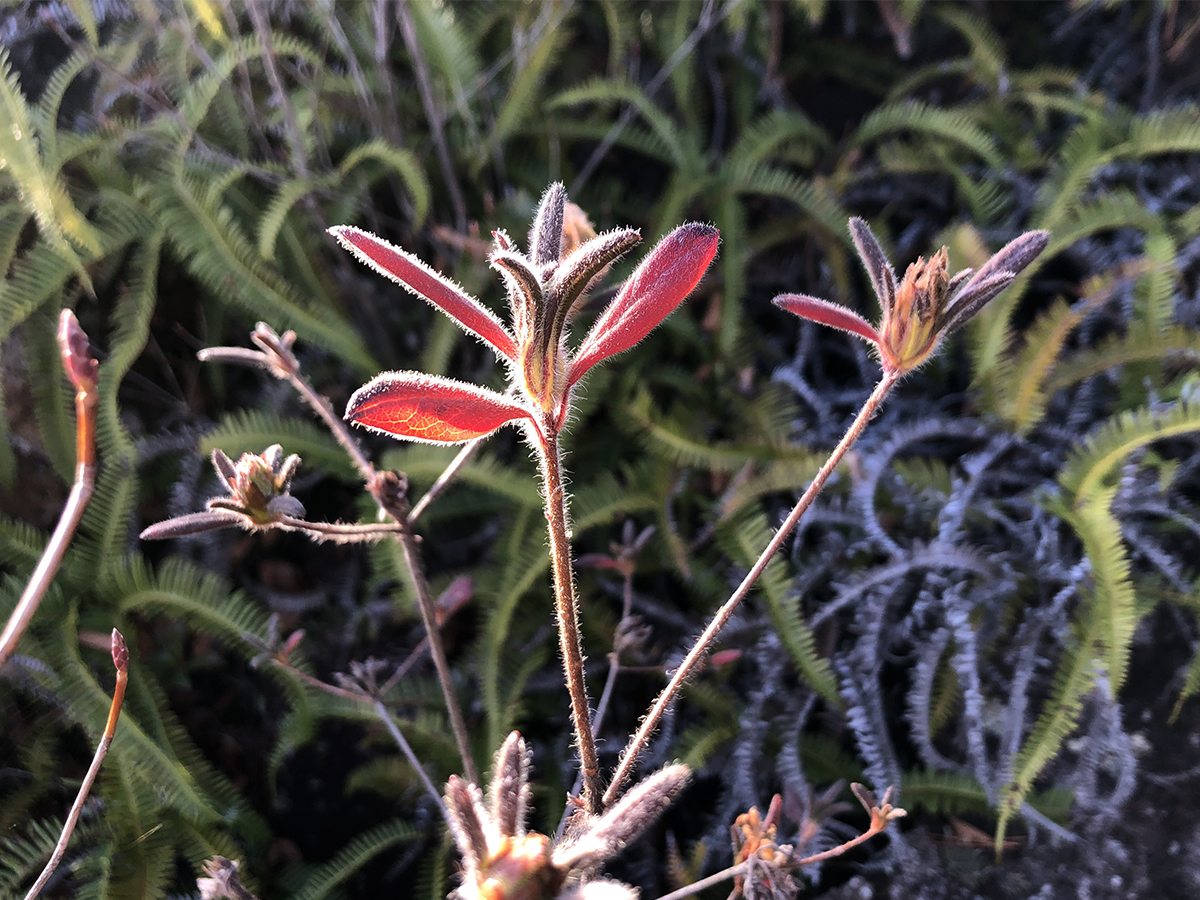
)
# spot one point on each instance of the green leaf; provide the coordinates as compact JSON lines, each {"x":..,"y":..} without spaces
{"x":356,"y":854}
{"x":252,"y":431}
{"x":1086,"y":470}
{"x":913,"y":115}
{"x":403,"y":162}
{"x":1059,"y":715}
{"x":39,"y":189}
{"x":180,"y":590}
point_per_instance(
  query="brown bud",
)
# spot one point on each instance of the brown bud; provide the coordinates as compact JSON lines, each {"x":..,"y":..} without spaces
{"x":79,"y":364}
{"x":120,"y":652}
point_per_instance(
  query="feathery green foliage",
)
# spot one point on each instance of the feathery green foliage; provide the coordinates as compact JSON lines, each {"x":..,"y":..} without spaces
{"x":182,"y":163}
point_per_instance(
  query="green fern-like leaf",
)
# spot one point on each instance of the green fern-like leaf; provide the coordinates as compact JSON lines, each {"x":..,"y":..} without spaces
{"x":949,"y":125}
{"x":1163,"y":131}
{"x":1154,"y":304}
{"x":524,"y":564}
{"x":1176,"y":345}
{"x":40,"y":275}
{"x":1086,"y":471}
{"x":778,"y":476}
{"x":988,"y":57}
{"x":403,"y":162}
{"x":813,"y":199}
{"x":1025,"y":394}
{"x":273,"y":217}
{"x":202,"y":91}
{"x":944,"y":793}
{"x":45,"y":114}
{"x":607,"y":91}
{"x":603,"y":499}
{"x":23,"y":855}
{"x":528,"y":81}
{"x":764,"y":137}
{"x":1191,"y":682}
{"x":251,"y":431}
{"x":671,"y":442}
{"x":990,"y":329}
{"x":42,"y":192}
{"x":1116,"y":613}
{"x":219,"y":255}
{"x":423,"y":463}
{"x":179,"y":590}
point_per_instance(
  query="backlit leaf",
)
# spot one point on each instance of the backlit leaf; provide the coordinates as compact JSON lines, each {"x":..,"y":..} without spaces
{"x":412,"y":274}
{"x":831,"y":314}
{"x":657,"y":286}
{"x":429,"y":408}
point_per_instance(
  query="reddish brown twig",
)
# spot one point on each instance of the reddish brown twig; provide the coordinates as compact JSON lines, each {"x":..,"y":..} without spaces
{"x":120,"y":656}
{"x":81,"y":367}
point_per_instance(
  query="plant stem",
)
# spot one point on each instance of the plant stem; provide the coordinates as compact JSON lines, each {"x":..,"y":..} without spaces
{"x":435,"y":491}
{"x":610,"y":682}
{"x":389,"y":497}
{"x":340,"y":532}
{"x":386,"y":718}
{"x":840,"y":848}
{"x":68,"y":521}
{"x":567,"y":611}
{"x":638,"y":742}
{"x":121,"y":662}
{"x":743,"y":868}
{"x":408,"y":542}
{"x":704,"y":883}
{"x":336,"y":426}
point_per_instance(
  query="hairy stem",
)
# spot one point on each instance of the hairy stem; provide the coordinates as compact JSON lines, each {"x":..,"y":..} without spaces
{"x":121,"y":662}
{"x":443,"y":480}
{"x":388,"y":493}
{"x":638,"y":742}
{"x":339,"y":532}
{"x":336,"y":426}
{"x":744,"y":868}
{"x":567,"y":611}
{"x":610,"y":682}
{"x":705,"y":883}
{"x":394,"y":505}
{"x":408,"y":542}
{"x":840,"y":848}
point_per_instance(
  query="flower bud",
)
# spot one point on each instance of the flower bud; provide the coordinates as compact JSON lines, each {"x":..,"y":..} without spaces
{"x":909,"y":333}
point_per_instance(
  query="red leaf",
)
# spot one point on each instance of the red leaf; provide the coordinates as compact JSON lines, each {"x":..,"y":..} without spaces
{"x":832,"y":314}
{"x":657,"y":286}
{"x":428,"y":408}
{"x":412,"y":274}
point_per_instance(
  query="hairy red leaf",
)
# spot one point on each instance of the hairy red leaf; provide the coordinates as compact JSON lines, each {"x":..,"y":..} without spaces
{"x":827,"y":313}
{"x":429,"y":408}
{"x":667,"y":275}
{"x":428,"y":284}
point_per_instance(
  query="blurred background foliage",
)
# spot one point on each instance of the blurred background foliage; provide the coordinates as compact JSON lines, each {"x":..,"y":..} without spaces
{"x":994,"y":607}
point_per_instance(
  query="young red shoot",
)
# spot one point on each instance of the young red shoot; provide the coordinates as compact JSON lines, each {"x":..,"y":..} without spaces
{"x":926,"y":305}
{"x":546,"y":286}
